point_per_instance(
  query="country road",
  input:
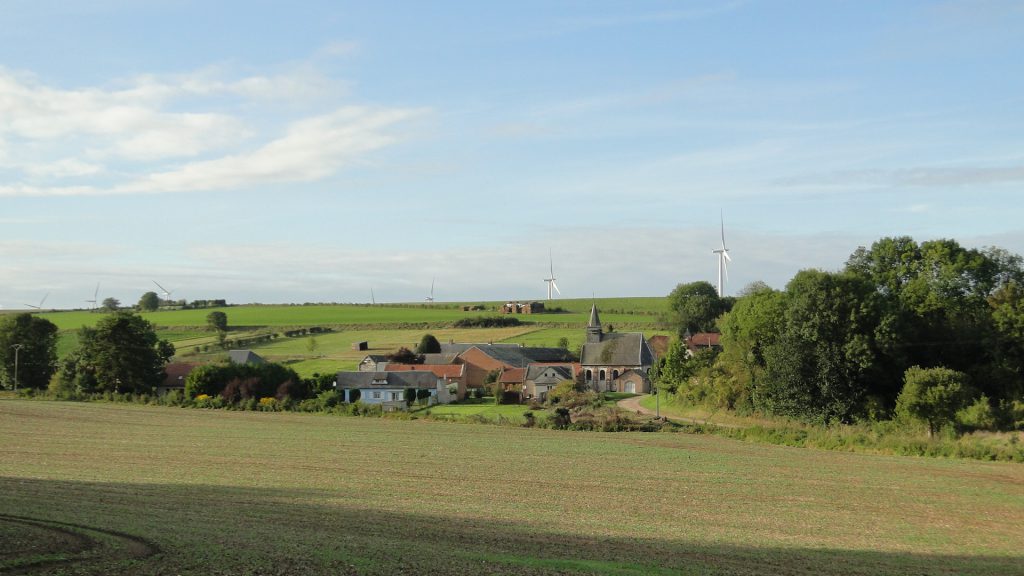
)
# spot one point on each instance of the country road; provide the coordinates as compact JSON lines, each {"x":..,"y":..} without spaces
{"x":633,"y":405}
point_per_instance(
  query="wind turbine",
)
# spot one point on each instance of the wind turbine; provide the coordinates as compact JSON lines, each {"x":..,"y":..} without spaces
{"x":723,"y":262}
{"x":163,"y":290}
{"x":40,"y":307}
{"x":373,"y":300}
{"x":431,"y":297}
{"x":551,"y":278}
{"x":95,"y":296}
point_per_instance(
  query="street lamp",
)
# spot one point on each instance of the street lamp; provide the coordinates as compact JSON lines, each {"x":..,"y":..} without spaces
{"x":16,"y":347}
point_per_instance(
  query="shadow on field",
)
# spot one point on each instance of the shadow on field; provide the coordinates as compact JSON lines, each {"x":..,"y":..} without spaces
{"x":217,"y":530}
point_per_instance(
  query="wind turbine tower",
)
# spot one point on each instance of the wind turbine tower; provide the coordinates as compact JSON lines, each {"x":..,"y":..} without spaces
{"x":551,"y":276}
{"x":723,"y":262}
{"x":430,"y":299}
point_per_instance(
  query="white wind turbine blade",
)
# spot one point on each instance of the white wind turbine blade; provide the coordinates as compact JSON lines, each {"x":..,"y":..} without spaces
{"x":556,"y":287}
{"x":727,"y":257}
{"x":43,"y":301}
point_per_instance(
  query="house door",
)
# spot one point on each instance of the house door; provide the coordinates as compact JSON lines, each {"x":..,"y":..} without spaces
{"x":631,"y":387}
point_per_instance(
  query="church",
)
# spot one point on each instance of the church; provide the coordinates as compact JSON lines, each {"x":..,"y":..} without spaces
{"x":615,"y":361}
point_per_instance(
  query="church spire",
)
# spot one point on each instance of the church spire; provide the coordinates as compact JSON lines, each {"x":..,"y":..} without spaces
{"x":594,"y":331}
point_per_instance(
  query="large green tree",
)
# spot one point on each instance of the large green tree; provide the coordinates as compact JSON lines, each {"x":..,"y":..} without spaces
{"x":36,"y":342}
{"x":217,"y":320}
{"x":149,"y":302}
{"x":122,"y":353}
{"x":696,"y":306}
{"x":428,"y":345}
{"x":933,"y":395}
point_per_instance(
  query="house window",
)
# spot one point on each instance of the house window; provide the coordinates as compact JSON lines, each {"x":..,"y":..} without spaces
{"x":601,"y":375}
{"x":376,"y":395}
{"x":615,"y":374}
{"x":590,"y":375}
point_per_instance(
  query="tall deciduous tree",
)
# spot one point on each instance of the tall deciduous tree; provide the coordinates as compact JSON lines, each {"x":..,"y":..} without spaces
{"x":121,"y":354}
{"x":428,"y":345}
{"x":696,"y":306}
{"x":149,"y":302}
{"x":36,"y":340}
{"x":217,"y":320}
{"x":111,"y":304}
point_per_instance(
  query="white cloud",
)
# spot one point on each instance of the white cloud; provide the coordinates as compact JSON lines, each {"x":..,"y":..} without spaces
{"x":126,"y":139}
{"x":63,"y":168}
{"x":311,"y":149}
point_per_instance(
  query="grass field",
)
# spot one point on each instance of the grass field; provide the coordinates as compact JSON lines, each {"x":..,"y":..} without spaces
{"x":174,"y":491}
{"x":618,"y":311}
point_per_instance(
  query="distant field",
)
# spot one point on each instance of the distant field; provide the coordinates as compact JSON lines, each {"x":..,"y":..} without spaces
{"x":334,"y":349}
{"x":626,"y":311}
{"x":175,"y":491}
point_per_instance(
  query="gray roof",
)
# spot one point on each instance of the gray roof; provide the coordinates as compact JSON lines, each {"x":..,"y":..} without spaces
{"x":618,"y":349}
{"x":460,"y":347}
{"x":536,"y":373}
{"x":412,"y":379}
{"x":244,"y":357}
{"x":594,"y":320}
{"x":517,"y":356}
{"x":442,"y":358}
{"x":375,"y":358}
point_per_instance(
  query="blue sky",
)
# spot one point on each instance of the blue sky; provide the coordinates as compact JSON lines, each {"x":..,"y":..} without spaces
{"x":311,"y":151}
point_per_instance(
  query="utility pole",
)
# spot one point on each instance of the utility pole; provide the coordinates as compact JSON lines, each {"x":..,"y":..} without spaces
{"x":16,"y":347}
{"x":657,"y":403}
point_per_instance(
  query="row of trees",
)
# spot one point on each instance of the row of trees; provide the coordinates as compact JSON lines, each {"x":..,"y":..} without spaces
{"x":841,"y":346}
{"x":120,"y":354}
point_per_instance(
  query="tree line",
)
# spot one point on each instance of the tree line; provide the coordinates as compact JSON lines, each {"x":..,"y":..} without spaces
{"x":904,"y":328}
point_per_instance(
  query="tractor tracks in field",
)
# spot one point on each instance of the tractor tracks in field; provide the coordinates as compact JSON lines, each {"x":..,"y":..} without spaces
{"x":73,"y":544}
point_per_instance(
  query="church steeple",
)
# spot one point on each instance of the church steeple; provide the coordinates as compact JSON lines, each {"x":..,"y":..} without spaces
{"x":594,"y":331}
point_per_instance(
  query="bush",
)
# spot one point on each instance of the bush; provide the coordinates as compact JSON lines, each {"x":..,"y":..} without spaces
{"x":488,"y":322}
{"x":978,"y":416}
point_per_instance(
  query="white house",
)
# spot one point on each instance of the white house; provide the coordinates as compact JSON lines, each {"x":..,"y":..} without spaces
{"x":388,"y":388}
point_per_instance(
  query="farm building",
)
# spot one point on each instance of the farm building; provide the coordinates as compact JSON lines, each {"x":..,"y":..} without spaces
{"x":608,"y":357}
{"x":522,"y":308}
{"x":389,"y":388}
{"x":363,"y":345}
{"x":535,"y":380}
{"x":373,"y":363}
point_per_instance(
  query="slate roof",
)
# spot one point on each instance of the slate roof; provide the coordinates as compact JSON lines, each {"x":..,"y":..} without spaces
{"x":439,"y":370}
{"x":441,"y":358}
{"x":410,"y":379}
{"x":618,"y":349}
{"x":535,"y":372}
{"x":519,"y":356}
{"x":375,"y":358}
{"x":457,"y":348}
{"x":245,"y":357}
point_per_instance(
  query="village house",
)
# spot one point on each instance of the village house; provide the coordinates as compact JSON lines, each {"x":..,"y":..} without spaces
{"x":373,"y":363}
{"x":615,"y":361}
{"x":451,"y":374}
{"x":388,"y":389}
{"x":176,"y":373}
{"x":701,"y":341}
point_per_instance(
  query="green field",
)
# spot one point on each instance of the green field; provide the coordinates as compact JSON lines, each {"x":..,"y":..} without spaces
{"x":626,"y":311}
{"x":123,"y":489}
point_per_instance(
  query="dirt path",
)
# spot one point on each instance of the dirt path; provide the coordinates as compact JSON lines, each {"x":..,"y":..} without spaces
{"x":73,"y":545}
{"x":633,"y":405}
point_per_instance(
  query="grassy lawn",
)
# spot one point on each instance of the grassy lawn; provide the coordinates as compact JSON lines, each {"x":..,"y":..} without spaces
{"x":486,"y":409}
{"x":177,"y":491}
